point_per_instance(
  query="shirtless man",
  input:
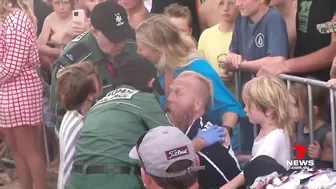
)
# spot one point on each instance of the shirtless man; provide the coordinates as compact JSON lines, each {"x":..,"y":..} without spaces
{"x":58,"y":29}
{"x":208,"y":14}
{"x":288,"y":9}
{"x":136,"y":10}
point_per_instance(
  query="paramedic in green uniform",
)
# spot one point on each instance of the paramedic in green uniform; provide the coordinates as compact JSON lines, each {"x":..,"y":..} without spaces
{"x":106,"y":45}
{"x":112,"y":127}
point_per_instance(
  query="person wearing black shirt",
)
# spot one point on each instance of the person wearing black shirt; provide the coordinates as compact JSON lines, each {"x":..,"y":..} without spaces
{"x":158,"y":7}
{"x":189,"y":96}
{"x":314,"y":51}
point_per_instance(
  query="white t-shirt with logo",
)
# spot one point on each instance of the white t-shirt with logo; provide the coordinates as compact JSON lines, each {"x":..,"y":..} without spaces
{"x":276,"y":145}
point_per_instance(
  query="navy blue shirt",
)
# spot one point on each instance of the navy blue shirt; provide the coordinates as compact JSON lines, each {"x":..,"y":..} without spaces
{"x":220,"y":163}
{"x":267,"y":38}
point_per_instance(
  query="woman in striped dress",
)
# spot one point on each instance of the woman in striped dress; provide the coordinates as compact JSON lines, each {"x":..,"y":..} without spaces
{"x":79,"y":85}
{"x":21,"y":92}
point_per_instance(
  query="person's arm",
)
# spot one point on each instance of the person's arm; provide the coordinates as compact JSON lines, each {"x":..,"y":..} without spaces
{"x":43,"y":39}
{"x":317,"y":60}
{"x":314,"y":61}
{"x":17,"y":48}
{"x":255,"y":65}
{"x":276,"y":33}
{"x":327,"y":155}
{"x":230,"y":119}
{"x":244,"y":158}
{"x":198,"y":144}
{"x":237,"y":182}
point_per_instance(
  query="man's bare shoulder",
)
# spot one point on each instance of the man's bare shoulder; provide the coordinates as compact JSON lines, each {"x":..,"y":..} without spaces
{"x":50,"y":18}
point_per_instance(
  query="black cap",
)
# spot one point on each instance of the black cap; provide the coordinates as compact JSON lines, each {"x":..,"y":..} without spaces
{"x":136,"y":72}
{"x":261,"y":166}
{"x":111,"y":19}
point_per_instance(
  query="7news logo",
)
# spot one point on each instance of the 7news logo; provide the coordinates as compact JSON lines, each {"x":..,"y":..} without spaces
{"x":299,"y":162}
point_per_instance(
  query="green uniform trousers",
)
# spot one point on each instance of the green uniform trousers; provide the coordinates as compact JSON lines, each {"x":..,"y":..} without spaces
{"x":104,"y":181}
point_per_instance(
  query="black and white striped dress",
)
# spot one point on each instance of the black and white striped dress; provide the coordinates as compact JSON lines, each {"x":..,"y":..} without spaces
{"x":69,"y":133}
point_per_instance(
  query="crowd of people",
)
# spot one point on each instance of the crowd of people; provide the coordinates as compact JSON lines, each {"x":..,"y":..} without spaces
{"x":140,"y":94}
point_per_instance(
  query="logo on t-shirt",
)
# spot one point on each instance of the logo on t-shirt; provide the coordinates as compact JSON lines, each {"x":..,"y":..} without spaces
{"x":259,"y":40}
{"x":303,"y":15}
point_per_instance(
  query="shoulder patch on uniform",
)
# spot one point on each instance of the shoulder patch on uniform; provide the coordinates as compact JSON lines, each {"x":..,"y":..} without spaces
{"x":75,"y":52}
{"x":118,"y":94}
{"x":78,"y":38}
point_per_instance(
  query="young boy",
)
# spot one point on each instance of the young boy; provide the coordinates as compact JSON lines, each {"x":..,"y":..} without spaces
{"x":260,"y":37}
{"x":209,"y":41}
{"x":180,"y":16}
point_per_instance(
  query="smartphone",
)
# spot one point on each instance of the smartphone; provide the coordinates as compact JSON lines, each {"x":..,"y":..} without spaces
{"x":78,"y":15}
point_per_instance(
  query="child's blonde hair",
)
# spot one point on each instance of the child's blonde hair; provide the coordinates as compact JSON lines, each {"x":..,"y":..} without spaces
{"x":270,"y":93}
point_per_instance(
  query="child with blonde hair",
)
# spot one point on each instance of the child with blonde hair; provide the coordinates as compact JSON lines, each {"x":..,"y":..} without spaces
{"x":266,"y":100}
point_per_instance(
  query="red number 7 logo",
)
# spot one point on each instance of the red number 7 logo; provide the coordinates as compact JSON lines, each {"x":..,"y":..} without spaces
{"x":302,"y":151}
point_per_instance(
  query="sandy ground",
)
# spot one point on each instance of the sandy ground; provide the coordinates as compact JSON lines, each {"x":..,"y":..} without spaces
{"x":14,"y":184}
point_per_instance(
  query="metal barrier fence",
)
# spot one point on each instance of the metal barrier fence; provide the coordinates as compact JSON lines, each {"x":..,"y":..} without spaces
{"x":309,"y":82}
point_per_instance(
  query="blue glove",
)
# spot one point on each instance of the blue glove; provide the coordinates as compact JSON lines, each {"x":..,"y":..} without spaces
{"x":213,"y":135}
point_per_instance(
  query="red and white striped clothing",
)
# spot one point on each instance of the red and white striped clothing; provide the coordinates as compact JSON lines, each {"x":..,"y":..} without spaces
{"x":21,"y":100}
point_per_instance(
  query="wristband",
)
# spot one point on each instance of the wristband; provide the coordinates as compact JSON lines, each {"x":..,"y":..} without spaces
{"x":229,"y":129}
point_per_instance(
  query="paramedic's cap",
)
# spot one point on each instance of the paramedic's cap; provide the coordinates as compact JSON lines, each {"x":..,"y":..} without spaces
{"x":327,"y":27}
{"x":162,"y":146}
{"x":111,"y":19}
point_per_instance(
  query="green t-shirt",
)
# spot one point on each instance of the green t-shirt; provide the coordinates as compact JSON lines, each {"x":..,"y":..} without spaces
{"x":85,"y":48}
{"x":114,"y":124}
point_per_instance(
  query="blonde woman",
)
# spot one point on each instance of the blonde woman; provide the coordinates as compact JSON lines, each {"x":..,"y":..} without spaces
{"x":172,"y":53}
{"x":21,"y":92}
{"x":266,"y":100}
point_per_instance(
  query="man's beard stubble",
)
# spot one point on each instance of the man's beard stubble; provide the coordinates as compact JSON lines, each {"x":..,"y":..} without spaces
{"x":180,"y":118}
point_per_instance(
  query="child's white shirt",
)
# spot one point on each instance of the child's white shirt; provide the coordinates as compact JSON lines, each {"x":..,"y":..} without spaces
{"x":276,"y":145}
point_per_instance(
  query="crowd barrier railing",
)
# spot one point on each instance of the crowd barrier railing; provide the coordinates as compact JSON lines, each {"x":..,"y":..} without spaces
{"x":309,"y":82}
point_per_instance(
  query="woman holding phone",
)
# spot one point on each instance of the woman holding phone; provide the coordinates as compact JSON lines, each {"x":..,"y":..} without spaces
{"x":21,"y":92}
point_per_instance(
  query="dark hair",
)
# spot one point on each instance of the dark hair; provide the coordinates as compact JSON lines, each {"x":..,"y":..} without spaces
{"x":136,"y":73}
{"x":177,"y":11}
{"x":319,"y":97}
{"x":75,"y":83}
{"x":181,"y":182}
{"x":267,"y":2}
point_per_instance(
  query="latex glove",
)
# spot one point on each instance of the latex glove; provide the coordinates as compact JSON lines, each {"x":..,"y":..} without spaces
{"x":213,"y":135}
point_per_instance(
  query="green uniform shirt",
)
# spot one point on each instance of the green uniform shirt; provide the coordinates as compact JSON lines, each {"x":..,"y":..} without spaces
{"x":113,"y":126}
{"x":85,"y":48}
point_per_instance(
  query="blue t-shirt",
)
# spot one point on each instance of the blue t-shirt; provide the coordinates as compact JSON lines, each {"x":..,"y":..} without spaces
{"x":267,"y":38}
{"x":224,"y":101}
